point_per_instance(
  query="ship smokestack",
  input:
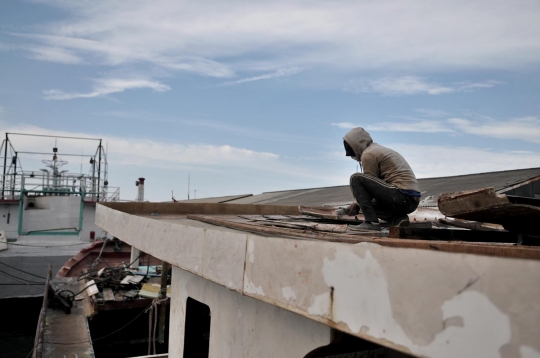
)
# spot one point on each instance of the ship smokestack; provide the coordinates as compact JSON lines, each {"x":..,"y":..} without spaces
{"x":140,"y":196}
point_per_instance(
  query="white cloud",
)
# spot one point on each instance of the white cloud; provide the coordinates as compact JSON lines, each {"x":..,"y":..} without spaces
{"x":105,"y":86}
{"x":426,"y":159}
{"x":431,"y":112}
{"x":216,"y":38}
{"x":420,"y":126}
{"x":221,"y":126}
{"x":415,"y":125}
{"x":345,"y":125}
{"x":54,"y":54}
{"x":468,"y":86}
{"x":146,"y":152}
{"x":406,"y":85}
{"x":276,"y":74}
{"x":411,"y":85}
{"x":525,"y":128}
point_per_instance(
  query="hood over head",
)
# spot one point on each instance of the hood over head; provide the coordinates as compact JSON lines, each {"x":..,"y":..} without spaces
{"x":358,"y":139}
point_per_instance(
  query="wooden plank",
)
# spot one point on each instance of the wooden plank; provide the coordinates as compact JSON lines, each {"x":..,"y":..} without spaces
{"x":485,"y":205}
{"x":146,"y":208}
{"x":472,"y":225}
{"x":470,"y":200}
{"x":273,"y":221}
{"x":307,"y":226}
{"x":215,"y":220}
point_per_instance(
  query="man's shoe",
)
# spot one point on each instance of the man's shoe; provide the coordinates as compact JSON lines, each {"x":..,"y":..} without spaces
{"x":366,"y":226}
{"x":401,"y":221}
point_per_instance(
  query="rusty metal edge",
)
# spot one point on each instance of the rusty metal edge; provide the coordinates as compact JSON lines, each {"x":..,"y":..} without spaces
{"x":40,"y":331}
{"x":519,"y":184}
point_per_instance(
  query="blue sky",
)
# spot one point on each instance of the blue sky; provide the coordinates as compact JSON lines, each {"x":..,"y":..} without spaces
{"x":252,"y":96}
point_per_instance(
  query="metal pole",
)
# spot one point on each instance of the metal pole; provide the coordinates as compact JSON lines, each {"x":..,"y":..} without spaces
{"x":93,"y":177}
{"x":99,"y":170}
{"x":21,"y":208}
{"x":14,"y":177}
{"x":188,"y":187}
{"x":5,"y":163}
{"x":135,"y":253}
{"x":164,"y":273}
{"x":163,"y":294}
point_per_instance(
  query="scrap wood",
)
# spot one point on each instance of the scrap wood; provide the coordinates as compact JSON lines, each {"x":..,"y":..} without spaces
{"x":485,"y":205}
{"x":151,"y":290}
{"x":277,"y":217}
{"x":298,"y":225}
{"x":422,"y":217}
{"x":311,"y":226}
{"x":288,"y":218}
{"x":296,"y":218}
{"x":273,"y":230}
{"x":330,"y":213}
{"x":472,"y":225}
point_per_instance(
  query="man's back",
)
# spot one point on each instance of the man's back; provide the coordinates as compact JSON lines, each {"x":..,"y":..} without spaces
{"x":390,"y":166}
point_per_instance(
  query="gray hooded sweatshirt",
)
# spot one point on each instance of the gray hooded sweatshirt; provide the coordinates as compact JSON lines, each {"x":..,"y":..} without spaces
{"x":381,"y":162}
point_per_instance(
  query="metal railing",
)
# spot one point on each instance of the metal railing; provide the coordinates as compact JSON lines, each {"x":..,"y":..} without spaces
{"x":61,"y":185}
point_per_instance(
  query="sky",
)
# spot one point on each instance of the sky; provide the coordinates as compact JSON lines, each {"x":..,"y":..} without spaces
{"x":254,"y":96}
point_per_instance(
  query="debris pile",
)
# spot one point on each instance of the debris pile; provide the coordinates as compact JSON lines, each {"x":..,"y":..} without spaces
{"x":122,"y":283}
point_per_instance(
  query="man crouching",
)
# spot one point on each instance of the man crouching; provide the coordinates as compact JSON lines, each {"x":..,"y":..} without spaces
{"x":387,"y":189}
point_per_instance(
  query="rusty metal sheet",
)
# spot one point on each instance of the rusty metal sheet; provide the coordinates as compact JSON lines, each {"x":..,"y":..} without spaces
{"x":330,"y":213}
{"x":282,"y":221}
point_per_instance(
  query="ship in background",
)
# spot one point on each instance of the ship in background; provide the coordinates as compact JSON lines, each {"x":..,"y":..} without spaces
{"x":47,"y":213}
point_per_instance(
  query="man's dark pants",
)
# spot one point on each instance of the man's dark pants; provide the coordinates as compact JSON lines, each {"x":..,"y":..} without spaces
{"x":379,"y":199}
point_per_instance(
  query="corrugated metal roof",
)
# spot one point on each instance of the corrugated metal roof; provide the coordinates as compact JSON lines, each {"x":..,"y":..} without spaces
{"x":337,"y":195}
{"x":220,"y":199}
{"x":430,"y":187}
